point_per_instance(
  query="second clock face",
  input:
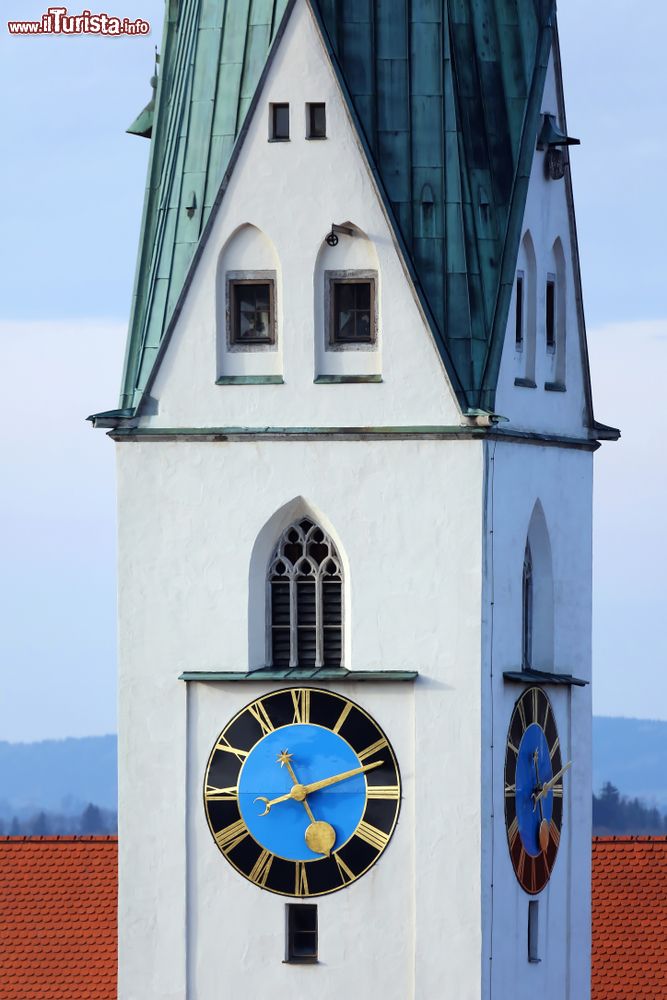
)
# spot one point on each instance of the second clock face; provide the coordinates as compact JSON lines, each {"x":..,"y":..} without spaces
{"x":302,"y":792}
{"x":533,"y":814}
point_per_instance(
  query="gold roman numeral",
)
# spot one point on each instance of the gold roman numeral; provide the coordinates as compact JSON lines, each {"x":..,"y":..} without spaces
{"x":383,"y":792}
{"x":546,"y":717}
{"x":301,"y":880}
{"x":557,"y":791}
{"x":260,"y":715}
{"x":552,"y":752}
{"x":373,"y":749}
{"x":554,"y":833}
{"x":515,"y":750}
{"x":231,"y":836}
{"x":513,"y":831}
{"x":261,"y":868}
{"x":342,"y":717}
{"x":214,"y":794}
{"x":371,"y":835}
{"x":533,"y":875}
{"x":522,"y":715}
{"x":521,"y":867}
{"x":510,"y":789}
{"x":301,"y":700}
{"x":346,"y":873}
{"x":224,"y":744}
{"x":535,"y":697}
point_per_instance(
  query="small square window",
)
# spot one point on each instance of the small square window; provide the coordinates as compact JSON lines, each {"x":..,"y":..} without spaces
{"x":353,"y":311}
{"x":279,"y":122}
{"x":316,"y":121}
{"x":251,"y":311}
{"x":301,"y":937}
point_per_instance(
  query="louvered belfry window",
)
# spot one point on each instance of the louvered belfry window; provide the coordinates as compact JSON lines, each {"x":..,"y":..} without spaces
{"x":305,"y":599}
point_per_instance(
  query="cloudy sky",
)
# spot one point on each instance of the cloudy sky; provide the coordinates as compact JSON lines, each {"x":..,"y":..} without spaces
{"x":73,"y":183}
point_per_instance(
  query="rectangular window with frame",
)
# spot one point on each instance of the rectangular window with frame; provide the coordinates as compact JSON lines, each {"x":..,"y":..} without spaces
{"x":316,"y":121}
{"x":550,"y":317}
{"x":279,"y":122}
{"x":518,"y":317}
{"x":533,"y":930}
{"x":251,"y":311}
{"x":352,"y":309}
{"x":301,"y":933}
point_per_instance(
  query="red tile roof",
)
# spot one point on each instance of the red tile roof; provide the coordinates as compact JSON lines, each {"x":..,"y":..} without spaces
{"x":629,"y":918}
{"x":58,"y":900}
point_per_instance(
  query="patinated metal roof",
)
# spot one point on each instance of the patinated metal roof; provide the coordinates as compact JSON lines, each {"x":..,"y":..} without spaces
{"x":446,"y":97}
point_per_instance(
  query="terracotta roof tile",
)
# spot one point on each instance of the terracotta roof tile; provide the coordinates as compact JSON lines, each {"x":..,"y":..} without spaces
{"x":629,"y":918}
{"x":58,"y":925}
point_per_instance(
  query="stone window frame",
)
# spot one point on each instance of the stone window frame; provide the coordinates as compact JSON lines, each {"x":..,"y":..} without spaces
{"x":251,"y":277}
{"x":355,"y":275}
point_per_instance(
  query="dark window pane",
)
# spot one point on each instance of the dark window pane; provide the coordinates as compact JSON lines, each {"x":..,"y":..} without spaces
{"x":280,"y":602}
{"x":551,"y":314}
{"x":317,"y":121}
{"x":305,"y":602}
{"x":280,"y":122}
{"x":252,"y":319}
{"x":306,"y":647}
{"x":331,"y":602}
{"x":301,"y":945}
{"x":280,"y":647}
{"x":519,"y":311}
{"x":352,"y":308}
{"x":333,"y":647}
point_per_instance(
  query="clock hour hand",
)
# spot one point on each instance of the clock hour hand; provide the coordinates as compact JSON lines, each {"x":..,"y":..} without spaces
{"x":548,"y":785}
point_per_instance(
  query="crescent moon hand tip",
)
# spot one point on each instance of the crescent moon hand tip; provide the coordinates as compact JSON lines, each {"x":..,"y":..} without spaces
{"x":267,"y":807}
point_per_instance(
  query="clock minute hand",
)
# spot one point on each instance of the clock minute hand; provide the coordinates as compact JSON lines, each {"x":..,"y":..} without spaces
{"x":315,"y":786}
{"x":548,"y":785}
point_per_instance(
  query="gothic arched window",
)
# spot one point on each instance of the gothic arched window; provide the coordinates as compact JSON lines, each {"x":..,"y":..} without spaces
{"x":527,"y":609}
{"x":305,"y":584}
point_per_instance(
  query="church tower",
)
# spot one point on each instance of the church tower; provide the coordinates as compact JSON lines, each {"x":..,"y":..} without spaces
{"x":355,"y":442}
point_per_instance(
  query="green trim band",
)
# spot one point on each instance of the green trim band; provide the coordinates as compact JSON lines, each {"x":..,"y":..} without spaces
{"x":297,"y":673}
{"x":250,"y":380}
{"x":345,"y":379}
{"x":531,"y":676}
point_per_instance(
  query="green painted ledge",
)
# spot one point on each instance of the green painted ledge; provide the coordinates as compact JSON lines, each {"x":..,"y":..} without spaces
{"x":250,"y":380}
{"x":295,"y":673}
{"x":346,"y":379}
{"x":531,"y":676}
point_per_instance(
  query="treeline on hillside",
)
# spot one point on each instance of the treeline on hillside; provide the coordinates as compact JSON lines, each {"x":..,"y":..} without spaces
{"x":614,"y":813}
{"x":92,"y":820}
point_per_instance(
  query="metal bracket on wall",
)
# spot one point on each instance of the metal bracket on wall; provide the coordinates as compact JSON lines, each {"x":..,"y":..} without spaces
{"x":336,"y":231}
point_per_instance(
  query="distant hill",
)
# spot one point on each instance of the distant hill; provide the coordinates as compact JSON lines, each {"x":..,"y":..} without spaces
{"x":63,"y":776}
{"x":632,"y":755}
{"x":60,"y":776}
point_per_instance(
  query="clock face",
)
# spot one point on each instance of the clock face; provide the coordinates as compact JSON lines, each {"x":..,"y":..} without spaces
{"x":302,"y":792}
{"x":533,"y":813}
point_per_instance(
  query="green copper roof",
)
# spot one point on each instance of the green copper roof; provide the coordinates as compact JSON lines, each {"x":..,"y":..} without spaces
{"x":213,"y":55}
{"x":446,"y":97}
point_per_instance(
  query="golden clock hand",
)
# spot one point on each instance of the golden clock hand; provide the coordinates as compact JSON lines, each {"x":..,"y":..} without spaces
{"x":315,"y":786}
{"x":320,"y":836}
{"x":548,"y":785}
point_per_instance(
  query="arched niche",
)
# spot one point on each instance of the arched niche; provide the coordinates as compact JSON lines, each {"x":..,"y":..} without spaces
{"x":249,"y":255}
{"x":261,"y":559}
{"x":537,"y":595}
{"x":557,"y":270}
{"x":353,"y":258}
{"x":525,"y":311}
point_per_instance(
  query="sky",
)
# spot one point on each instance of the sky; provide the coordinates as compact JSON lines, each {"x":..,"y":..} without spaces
{"x":73,"y":183}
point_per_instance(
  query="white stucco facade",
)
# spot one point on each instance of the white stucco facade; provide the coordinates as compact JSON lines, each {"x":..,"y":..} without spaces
{"x":431,"y":531}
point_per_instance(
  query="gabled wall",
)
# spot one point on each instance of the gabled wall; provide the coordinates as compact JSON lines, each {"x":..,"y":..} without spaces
{"x":291,"y":193}
{"x":541,"y":389}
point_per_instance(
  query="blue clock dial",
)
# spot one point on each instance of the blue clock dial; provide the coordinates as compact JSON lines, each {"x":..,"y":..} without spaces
{"x":533,"y":767}
{"x":316,"y":753}
{"x":302,"y":792}
{"x":533,"y":790}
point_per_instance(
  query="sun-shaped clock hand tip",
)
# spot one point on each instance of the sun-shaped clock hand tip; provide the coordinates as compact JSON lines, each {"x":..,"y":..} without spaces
{"x":284,"y":757}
